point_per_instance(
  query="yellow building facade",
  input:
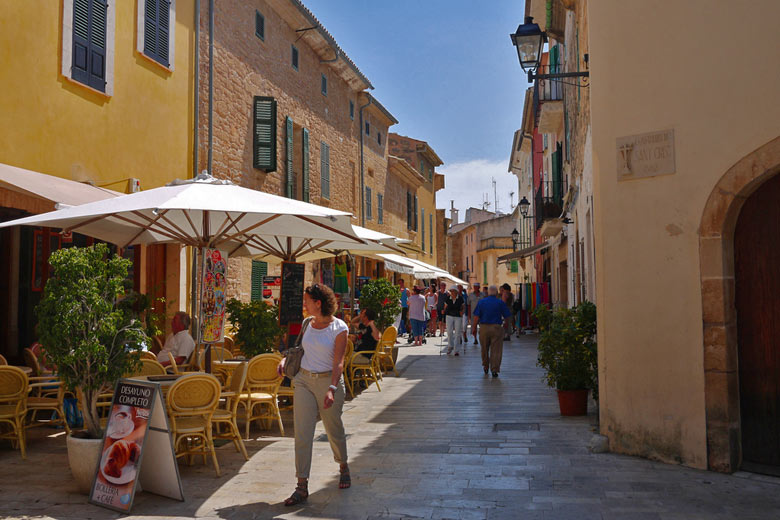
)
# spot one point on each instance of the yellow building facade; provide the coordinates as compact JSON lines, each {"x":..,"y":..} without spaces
{"x":97,"y":92}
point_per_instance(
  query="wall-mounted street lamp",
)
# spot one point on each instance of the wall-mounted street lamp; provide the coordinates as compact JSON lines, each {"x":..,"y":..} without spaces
{"x":524,"y":206}
{"x":515,"y":239}
{"x":529,"y":40}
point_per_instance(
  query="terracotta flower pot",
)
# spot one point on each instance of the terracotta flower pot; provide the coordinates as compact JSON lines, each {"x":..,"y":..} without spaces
{"x":573,"y":402}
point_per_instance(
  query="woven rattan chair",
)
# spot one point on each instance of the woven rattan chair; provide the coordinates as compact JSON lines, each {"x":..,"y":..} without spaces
{"x":145,"y":354}
{"x":231,"y":345}
{"x":191,"y":403}
{"x":151,"y":367}
{"x":172,"y":367}
{"x":2,"y":360}
{"x":261,"y":390}
{"x":384,"y":354}
{"x":31,"y":360}
{"x":227,"y":415}
{"x":347,"y":358}
{"x":363,"y":367}
{"x":13,"y":405}
{"x":158,"y":344}
{"x":47,"y":394}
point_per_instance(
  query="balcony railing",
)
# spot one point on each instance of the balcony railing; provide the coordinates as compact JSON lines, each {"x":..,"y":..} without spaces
{"x":549,"y":201}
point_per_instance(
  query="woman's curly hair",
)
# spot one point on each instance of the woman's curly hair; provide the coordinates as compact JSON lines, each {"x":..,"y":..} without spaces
{"x":325,"y":296}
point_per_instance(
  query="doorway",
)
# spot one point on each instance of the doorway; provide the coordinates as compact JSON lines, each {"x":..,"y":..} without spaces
{"x":757,"y":286}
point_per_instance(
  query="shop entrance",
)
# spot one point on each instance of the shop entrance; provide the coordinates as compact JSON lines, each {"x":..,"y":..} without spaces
{"x":757,"y":286}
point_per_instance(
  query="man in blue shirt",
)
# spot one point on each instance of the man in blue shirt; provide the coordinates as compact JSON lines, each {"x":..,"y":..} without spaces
{"x":490,"y":315}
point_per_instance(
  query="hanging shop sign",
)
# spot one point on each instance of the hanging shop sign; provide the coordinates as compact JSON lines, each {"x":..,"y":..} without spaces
{"x":213,"y":295}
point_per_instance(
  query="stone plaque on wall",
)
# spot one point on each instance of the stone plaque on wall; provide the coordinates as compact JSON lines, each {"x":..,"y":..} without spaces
{"x":645,"y":155}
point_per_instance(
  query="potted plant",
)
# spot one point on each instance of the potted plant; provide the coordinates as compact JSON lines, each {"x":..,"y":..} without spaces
{"x":256,"y":325}
{"x":385,"y":299}
{"x":89,"y":336}
{"x":567,"y":353}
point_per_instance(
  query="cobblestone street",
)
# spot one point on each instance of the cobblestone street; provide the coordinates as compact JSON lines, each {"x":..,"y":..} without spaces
{"x":440,"y":441}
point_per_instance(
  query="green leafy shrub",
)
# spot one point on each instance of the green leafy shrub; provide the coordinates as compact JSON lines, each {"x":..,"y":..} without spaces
{"x":567,"y":347}
{"x":257,"y":326}
{"x":384,"y":298}
{"x":88,"y":334}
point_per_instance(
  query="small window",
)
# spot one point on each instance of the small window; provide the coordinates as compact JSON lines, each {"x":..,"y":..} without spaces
{"x":369,"y":213}
{"x":352,"y":110}
{"x":379,"y":138}
{"x":380,"y":208}
{"x":156,"y":30}
{"x":368,"y":128}
{"x":294,"y":57}
{"x":325,"y":169}
{"x":324,"y":85}
{"x":259,"y":25}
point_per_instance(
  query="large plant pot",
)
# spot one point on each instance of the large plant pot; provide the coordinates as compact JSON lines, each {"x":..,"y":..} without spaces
{"x":83,"y":455}
{"x":573,"y":402}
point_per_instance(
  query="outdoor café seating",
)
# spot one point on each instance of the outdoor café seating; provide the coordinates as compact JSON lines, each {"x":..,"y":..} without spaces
{"x":13,"y":404}
{"x":363,"y":367}
{"x":191,"y":402}
{"x":150,"y":368}
{"x":384,"y":355}
{"x":145,"y":354}
{"x":261,"y":391}
{"x":31,"y":360}
{"x":47,"y":393}
{"x":227,"y":415}
{"x":2,"y":360}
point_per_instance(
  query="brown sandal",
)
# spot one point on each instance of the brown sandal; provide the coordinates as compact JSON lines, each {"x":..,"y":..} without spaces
{"x":345,"y":480}
{"x":299,"y":496}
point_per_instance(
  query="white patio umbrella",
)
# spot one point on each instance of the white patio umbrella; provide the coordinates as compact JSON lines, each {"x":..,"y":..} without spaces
{"x":206,"y":212}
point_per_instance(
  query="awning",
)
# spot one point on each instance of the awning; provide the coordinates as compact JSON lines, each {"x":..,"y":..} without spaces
{"x":438,"y":272}
{"x":528,"y":251}
{"x":418,"y":271}
{"x":51,"y":188}
{"x":398,"y":268}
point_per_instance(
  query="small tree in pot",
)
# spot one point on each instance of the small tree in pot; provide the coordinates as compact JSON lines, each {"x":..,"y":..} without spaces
{"x":89,"y":336}
{"x":567,"y":353}
{"x":384,"y":298}
{"x":257,"y":326}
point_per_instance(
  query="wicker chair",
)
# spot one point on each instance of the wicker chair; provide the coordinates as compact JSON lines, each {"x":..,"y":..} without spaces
{"x":384,"y":354}
{"x":31,"y":360}
{"x":47,"y":393}
{"x":3,"y":360}
{"x":145,"y":354}
{"x":13,"y":404}
{"x":191,"y":403}
{"x":158,"y":343}
{"x":227,"y":415}
{"x":362,"y":367}
{"x":151,"y":368}
{"x":231,"y":345}
{"x":261,"y":389}
{"x":172,"y":367}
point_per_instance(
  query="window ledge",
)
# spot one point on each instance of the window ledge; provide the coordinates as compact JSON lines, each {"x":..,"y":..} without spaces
{"x":151,"y":60}
{"x":87,"y":87}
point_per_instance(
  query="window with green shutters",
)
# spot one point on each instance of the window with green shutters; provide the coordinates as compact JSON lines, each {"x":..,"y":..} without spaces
{"x":484,"y":272}
{"x":422,"y":223}
{"x":290,"y":174}
{"x":259,"y":25}
{"x":305,"y":166}
{"x":380,"y":217}
{"x":90,"y":19}
{"x":408,"y":210}
{"x":157,"y":15}
{"x":264,"y":135}
{"x":325,"y":169}
{"x":430,"y":232}
{"x":415,"y":213}
{"x":259,"y":270}
{"x":514,"y":266}
{"x":369,"y":212}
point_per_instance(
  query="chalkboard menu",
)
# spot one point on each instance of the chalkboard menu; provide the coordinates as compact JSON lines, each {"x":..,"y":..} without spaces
{"x":291,"y":297}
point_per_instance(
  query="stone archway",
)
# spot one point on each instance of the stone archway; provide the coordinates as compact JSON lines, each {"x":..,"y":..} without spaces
{"x":716,"y":257}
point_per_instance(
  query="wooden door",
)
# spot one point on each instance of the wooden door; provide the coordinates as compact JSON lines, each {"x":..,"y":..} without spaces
{"x":757,"y":271}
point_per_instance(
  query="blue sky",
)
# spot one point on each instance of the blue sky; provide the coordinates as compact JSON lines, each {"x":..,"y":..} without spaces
{"x":447,"y":70}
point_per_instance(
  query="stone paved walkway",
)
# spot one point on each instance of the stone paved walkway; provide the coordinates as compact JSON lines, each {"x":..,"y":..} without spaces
{"x":440,"y":441}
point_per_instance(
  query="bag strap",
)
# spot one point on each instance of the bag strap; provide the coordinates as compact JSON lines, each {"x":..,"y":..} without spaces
{"x":305,"y":324}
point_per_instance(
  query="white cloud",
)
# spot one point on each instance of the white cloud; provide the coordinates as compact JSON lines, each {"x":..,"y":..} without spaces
{"x":469,"y":182}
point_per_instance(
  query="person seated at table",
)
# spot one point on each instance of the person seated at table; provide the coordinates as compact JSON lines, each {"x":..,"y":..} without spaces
{"x":179,"y":343}
{"x":368,"y":333}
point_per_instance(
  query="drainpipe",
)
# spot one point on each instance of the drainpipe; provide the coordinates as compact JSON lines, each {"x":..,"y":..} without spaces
{"x":195,"y":158}
{"x":211,"y":84}
{"x":362,"y":168}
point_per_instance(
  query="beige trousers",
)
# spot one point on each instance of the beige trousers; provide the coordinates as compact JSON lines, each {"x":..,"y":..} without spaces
{"x":491,"y":339}
{"x":309,"y":397}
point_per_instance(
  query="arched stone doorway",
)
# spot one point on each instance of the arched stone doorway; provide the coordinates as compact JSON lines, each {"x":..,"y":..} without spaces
{"x":716,"y":255}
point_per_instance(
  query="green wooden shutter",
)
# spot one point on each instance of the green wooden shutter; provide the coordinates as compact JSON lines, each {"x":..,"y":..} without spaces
{"x":415,"y":213}
{"x":259,"y":270}
{"x":264,"y":142}
{"x":380,"y":208}
{"x":422,"y":234}
{"x":289,"y":159}
{"x":484,"y":272}
{"x":325,"y":169}
{"x":514,"y":266}
{"x":408,"y":210}
{"x":430,"y":232}
{"x":305,"y":165}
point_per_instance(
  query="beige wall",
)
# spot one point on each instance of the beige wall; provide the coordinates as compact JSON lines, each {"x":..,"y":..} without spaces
{"x":703,"y":71}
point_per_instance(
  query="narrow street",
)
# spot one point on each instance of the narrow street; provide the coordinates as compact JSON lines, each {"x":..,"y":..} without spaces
{"x":440,"y":441}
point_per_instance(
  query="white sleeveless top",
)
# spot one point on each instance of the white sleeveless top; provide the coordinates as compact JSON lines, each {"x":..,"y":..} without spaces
{"x":318,"y":346}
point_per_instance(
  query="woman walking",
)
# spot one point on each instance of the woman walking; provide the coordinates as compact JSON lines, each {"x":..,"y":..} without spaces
{"x":417,"y":315}
{"x":430,"y":301}
{"x":319,"y":388}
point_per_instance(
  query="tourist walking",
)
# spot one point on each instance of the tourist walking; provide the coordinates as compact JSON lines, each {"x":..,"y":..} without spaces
{"x":464,"y":317}
{"x":430,"y":301}
{"x":403,"y":328}
{"x":508,"y":298}
{"x":319,"y":389}
{"x":441,"y":297}
{"x":453,"y":310}
{"x":490,"y":315}
{"x":473,"y":299}
{"x":417,"y":315}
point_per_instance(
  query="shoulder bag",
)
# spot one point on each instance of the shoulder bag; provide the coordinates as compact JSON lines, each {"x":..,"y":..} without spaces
{"x":294,"y":354}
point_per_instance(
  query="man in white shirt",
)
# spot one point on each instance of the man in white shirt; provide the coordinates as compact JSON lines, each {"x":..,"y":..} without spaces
{"x":180,"y":343}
